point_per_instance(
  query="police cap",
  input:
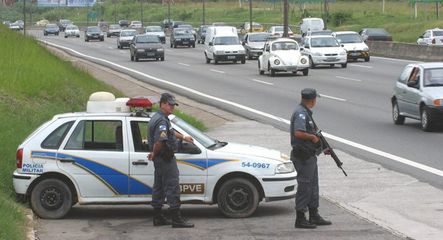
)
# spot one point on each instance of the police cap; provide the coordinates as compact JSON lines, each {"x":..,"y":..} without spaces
{"x":309,"y":93}
{"x":169,"y":98}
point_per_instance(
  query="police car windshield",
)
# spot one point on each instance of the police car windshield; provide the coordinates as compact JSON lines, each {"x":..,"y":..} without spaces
{"x":196,"y":134}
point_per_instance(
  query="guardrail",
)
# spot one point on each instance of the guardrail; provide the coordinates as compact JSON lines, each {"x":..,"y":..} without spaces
{"x":406,"y":51}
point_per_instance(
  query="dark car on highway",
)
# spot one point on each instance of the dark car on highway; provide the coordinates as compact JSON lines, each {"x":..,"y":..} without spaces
{"x":51,"y":29}
{"x":94,"y":33}
{"x":62,"y":23}
{"x":375,"y":34}
{"x":146,"y":46}
{"x":201,"y":34}
{"x":123,"y":23}
{"x":182,"y":37}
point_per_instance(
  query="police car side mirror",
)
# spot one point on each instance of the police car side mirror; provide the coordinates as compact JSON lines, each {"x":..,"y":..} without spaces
{"x":189,"y":148}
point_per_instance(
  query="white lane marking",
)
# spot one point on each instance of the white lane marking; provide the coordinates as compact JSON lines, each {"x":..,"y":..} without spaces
{"x":350,"y":79}
{"x":358,"y":65}
{"x":110,"y":47}
{"x":334,"y":98}
{"x":217,"y":71}
{"x":259,"y":81}
{"x":184,"y":64}
{"x":270,"y":116}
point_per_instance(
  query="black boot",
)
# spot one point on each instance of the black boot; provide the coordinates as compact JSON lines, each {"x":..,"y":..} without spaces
{"x":301,"y":222}
{"x":178,"y":221}
{"x":316,"y":219}
{"x":160,"y":219}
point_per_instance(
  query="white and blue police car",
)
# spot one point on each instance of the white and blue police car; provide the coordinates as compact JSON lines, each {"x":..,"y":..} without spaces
{"x":100,"y":157}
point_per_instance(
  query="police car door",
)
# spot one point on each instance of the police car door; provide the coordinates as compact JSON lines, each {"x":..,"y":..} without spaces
{"x":192,"y":163}
{"x":141,"y":170}
{"x":95,"y":155}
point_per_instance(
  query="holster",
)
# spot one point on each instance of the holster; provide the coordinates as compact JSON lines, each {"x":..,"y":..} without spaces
{"x":167,"y":153}
{"x":303,"y":152}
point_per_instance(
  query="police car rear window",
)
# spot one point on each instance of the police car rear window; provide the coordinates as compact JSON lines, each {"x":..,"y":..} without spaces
{"x":99,"y":135}
{"x":53,"y":140}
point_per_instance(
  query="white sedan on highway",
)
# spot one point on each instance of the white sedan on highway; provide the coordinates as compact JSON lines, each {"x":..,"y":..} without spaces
{"x":325,"y":50}
{"x":282,"y":55}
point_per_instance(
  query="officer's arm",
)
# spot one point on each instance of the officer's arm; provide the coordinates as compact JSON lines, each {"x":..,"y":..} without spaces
{"x":306,"y":136}
{"x":156,"y":149}
{"x":181,"y":137}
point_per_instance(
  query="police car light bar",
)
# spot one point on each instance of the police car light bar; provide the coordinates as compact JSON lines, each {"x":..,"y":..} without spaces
{"x":139,"y":102}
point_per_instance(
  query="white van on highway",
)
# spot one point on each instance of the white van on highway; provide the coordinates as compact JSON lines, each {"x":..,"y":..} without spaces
{"x":222,"y":44}
{"x":311,"y":24}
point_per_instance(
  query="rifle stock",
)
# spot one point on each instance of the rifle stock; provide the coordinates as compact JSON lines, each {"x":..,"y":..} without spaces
{"x":328,"y":147}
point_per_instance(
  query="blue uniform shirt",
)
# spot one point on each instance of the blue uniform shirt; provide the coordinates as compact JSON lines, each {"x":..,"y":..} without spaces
{"x":160,"y":129}
{"x":301,"y":121}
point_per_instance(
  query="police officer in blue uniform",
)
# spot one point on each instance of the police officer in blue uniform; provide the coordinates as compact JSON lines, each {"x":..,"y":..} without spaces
{"x":305,"y":148}
{"x":162,"y":139}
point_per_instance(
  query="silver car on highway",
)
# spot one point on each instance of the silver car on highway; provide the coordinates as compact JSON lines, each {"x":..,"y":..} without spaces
{"x":418,"y":94}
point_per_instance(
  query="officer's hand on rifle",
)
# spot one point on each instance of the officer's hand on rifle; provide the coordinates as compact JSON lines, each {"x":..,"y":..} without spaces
{"x":327,"y":151}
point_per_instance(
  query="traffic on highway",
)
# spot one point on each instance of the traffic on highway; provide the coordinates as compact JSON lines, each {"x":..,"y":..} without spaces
{"x":356,"y":109}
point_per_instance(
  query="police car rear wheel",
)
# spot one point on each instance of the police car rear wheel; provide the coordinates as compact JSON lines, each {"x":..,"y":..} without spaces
{"x":238,"y":198}
{"x":51,"y":199}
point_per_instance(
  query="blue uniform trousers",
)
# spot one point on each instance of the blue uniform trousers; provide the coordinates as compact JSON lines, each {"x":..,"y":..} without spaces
{"x":166,"y":184}
{"x":307,"y":195}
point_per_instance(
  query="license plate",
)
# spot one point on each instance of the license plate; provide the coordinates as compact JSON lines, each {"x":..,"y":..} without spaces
{"x":330,"y":59}
{"x":355,"y":54}
{"x":231,"y":57}
{"x":185,"y":43}
{"x":150,"y":54}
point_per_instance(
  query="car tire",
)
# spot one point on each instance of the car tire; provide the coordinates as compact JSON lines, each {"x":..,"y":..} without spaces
{"x":238,"y":198}
{"x":332,"y":65}
{"x":162,"y":59}
{"x":175,"y":45}
{"x":243,"y":60}
{"x":344,"y":65}
{"x":66,"y":36}
{"x":367,"y":59}
{"x":136,"y":58}
{"x":396,"y":117}
{"x":305,"y":72}
{"x":102,"y":39}
{"x":427,"y":124}
{"x":193,"y":45}
{"x":215,"y":60}
{"x":51,"y":199}
{"x":261,"y":72}
{"x":207,"y":59}
{"x":270,"y":70}
{"x":312,"y":62}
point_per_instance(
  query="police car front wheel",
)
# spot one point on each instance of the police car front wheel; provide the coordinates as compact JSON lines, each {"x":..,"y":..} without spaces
{"x":238,"y":198}
{"x":51,"y":199}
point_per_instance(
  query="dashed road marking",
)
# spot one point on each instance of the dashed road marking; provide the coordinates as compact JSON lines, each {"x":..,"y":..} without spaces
{"x":260,"y":81}
{"x":350,"y":79}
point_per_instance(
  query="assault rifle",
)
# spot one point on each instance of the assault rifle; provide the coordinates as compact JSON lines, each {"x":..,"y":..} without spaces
{"x":328,"y":149}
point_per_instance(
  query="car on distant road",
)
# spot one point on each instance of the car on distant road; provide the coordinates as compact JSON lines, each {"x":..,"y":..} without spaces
{"x":354,"y":45}
{"x":182,"y":37}
{"x":175,"y":24}
{"x":254,"y":43}
{"x":375,"y":34}
{"x":432,"y":37}
{"x":282,"y":55}
{"x":418,"y":94}
{"x":201,"y":34}
{"x":94,"y":33}
{"x":324,"y":50}
{"x":98,"y":156}
{"x":188,"y":26}
{"x":145,"y":47}
{"x":42,"y":23}
{"x":136,"y":24}
{"x":123,"y":23}
{"x":19,"y":23}
{"x":246,"y":27}
{"x":277,"y":31}
{"x":51,"y":29}
{"x":125,"y":38}
{"x":72,"y":31}
{"x":156,"y":31}
{"x":166,"y":23}
{"x":62,"y":23}
{"x":113,"y":30}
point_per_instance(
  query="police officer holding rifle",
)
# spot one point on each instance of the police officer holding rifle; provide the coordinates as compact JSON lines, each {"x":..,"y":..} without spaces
{"x":306,"y":145}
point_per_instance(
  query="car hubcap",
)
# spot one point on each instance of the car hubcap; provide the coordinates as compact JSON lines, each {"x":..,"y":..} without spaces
{"x":238,"y":198}
{"x":424,"y":119}
{"x":51,"y":198}
{"x":395,"y":112}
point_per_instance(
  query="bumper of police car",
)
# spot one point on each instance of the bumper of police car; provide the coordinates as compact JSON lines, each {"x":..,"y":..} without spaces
{"x":22,"y":182}
{"x":279,"y":187}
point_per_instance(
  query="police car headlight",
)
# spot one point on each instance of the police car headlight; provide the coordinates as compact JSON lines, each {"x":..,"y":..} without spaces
{"x":276,"y":62}
{"x":303,"y":61}
{"x":286,"y":167}
{"x":284,"y":156}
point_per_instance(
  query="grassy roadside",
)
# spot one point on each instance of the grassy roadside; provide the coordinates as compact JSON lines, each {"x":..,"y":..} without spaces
{"x":34,"y":86}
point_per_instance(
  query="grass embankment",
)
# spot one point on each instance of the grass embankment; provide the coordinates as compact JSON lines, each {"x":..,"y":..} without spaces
{"x":34,"y":86}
